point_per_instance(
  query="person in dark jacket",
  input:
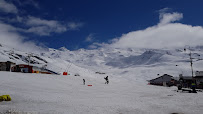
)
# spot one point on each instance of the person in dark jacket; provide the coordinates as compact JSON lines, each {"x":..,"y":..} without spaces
{"x":193,"y":86}
{"x":107,"y":80}
{"x":83,"y":81}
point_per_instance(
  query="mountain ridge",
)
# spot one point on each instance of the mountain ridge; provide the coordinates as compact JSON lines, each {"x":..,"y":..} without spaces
{"x":113,"y":61}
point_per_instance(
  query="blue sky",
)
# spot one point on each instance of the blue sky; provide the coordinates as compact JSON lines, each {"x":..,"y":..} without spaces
{"x":80,"y":23}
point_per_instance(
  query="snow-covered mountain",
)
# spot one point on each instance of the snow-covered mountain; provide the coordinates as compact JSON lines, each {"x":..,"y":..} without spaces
{"x":127,"y":92}
{"x":133,"y":64}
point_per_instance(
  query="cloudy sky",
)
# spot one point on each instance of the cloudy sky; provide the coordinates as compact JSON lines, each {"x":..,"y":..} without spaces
{"x":88,"y":24}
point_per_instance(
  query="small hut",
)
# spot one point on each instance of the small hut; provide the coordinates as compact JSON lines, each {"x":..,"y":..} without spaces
{"x":164,"y":80}
{"x":23,"y":68}
{"x":36,"y":69}
{"x":199,"y":79}
{"x":6,"y":66}
{"x":186,"y":81}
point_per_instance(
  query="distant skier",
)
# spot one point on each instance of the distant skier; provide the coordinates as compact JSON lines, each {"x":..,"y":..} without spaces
{"x":107,"y":80}
{"x":83,"y":81}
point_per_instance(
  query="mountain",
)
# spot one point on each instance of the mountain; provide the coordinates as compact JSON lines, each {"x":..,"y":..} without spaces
{"x":127,"y":92}
{"x":132,"y":64}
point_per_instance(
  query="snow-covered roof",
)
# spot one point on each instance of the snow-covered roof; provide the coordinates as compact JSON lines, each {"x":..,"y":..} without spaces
{"x":162,"y":76}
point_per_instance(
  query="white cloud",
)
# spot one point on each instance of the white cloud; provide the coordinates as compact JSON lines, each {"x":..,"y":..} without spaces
{"x":10,"y":37}
{"x":16,"y":19}
{"x":44,"y":27}
{"x":33,"y":21}
{"x":7,"y":7}
{"x":31,"y":2}
{"x":97,"y":45}
{"x":164,"y":10}
{"x":74,"y":25}
{"x":163,"y":35}
{"x":38,"y":26}
{"x":32,"y":24}
{"x":40,"y":30}
{"x":89,"y":38}
{"x":92,"y":46}
{"x":27,"y":2}
{"x":166,"y":18}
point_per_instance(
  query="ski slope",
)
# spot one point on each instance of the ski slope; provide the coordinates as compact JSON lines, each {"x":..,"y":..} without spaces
{"x":58,"y":94}
{"x":127,"y":93}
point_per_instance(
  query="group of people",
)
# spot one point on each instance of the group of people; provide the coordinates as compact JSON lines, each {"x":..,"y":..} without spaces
{"x":106,"y":79}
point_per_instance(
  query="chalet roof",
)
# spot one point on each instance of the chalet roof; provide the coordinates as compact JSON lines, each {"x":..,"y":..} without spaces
{"x":162,"y":76}
{"x":8,"y":62}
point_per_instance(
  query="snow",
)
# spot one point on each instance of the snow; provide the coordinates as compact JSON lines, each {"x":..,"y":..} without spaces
{"x":128,"y":92}
{"x":41,"y":93}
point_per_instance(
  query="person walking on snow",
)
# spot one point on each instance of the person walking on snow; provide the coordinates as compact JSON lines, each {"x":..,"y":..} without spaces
{"x":107,"y":80}
{"x":193,"y":87}
{"x":83,"y":81}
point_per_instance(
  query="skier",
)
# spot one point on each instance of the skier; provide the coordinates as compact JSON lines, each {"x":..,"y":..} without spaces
{"x":107,"y":80}
{"x":83,"y":81}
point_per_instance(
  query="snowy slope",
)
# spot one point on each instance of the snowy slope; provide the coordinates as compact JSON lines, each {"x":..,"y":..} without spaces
{"x":132,"y":64}
{"x":128,"y":92}
{"x":51,"y":62}
{"x":57,"y":94}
